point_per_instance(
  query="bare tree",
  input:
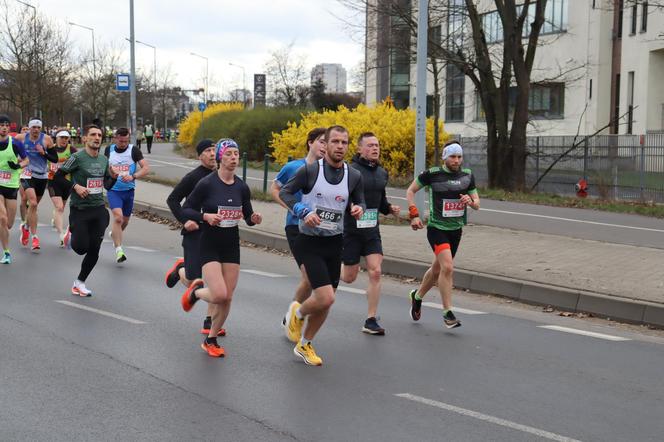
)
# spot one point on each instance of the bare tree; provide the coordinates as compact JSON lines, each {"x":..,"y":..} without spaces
{"x":287,"y":78}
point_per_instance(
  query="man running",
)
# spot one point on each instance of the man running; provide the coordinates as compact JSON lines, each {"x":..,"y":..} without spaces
{"x":34,"y":178}
{"x":12,"y":158}
{"x":328,"y":188}
{"x":59,"y":194}
{"x":88,"y":217}
{"x":188,"y":268}
{"x":221,"y":200}
{"x":316,"y":151}
{"x":362,"y":236}
{"x":451,"y":190}
{"x":123,"y":158}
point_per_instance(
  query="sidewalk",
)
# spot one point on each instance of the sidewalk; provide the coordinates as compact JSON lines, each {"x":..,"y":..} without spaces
{"x":617,"y":281}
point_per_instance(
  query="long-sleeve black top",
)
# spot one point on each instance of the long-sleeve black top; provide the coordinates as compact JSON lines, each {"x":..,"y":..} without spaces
{"x":182,"y":190}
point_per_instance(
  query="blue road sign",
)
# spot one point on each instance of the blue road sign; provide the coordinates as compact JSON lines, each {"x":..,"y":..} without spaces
{"x":122,"y":82}
{"x":201,"y":106}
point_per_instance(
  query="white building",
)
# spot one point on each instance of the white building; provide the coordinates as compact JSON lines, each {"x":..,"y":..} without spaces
{"x":333,"y":76}
{"x":597,"y":60}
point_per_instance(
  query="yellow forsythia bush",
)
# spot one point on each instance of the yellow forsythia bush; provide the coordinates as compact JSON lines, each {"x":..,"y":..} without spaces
{"x":394,"y":128}
{"x":190,"y":125}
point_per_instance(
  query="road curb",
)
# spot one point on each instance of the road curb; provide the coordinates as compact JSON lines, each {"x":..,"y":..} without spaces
{"x":626,"y":310}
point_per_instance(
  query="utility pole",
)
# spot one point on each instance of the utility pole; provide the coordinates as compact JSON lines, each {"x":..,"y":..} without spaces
{"x":132,"y":81}
{"x":421,"y":96}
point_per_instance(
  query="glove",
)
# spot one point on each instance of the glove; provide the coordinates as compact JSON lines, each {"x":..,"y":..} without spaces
{"x":13,"y":165}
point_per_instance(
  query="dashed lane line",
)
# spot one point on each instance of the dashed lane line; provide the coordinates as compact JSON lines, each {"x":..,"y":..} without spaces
{"x":101,"y":312}
{"x":487,"y":418}
{"x":261,"y":273}
{"x":465,"y":311}
{"x":575,"y":331}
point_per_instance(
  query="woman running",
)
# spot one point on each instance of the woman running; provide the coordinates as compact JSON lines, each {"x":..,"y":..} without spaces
{"x":221,"y":200}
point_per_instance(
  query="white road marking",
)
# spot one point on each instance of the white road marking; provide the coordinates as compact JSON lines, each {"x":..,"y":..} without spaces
{"x":584,"y":333}
{"x":344,"y":288}
{"x":140,"y":249}
{"x":102,"y":312}
{"x":261,"y":273}
{"x":465,"y":311}
{"x":487,"y":418}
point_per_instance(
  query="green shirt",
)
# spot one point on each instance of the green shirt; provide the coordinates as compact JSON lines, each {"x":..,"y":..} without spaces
{"x":87,"y":171}
{"x":445,"y":189}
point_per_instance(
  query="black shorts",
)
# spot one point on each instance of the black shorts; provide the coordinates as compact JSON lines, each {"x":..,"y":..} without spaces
{"x":292,"y":233}
{"x":361,"y":244}
{"x":8,"y":193}
{"x":191,"y":244}
{"x":39,"y":184}
{"x":443,"y":239}
{"x":321,"y":256}
{"x":220,"y":244}
{"x":55,"y":189}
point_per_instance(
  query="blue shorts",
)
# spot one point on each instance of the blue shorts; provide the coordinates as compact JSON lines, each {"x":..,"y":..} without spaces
{"x":121,"y":199}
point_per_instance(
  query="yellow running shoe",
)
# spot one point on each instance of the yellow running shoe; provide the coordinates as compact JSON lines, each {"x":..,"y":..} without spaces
{"x":294,"y":325}
{"x":308,"y":354}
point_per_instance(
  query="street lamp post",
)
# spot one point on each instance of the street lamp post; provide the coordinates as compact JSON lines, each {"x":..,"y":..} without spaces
{"x":154,"y":80}
{"x":207,"y":71}
{"x":34,"y":32}
{"x":94,"y":64}
{"x":244,"y":82}
{"x":132,"y":67}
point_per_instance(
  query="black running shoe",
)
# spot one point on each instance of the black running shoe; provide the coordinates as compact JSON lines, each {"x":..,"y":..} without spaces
{"x":371,"y":327}
{"x":415,"y":306}
{"x":450,"y":320}
{"x":283,"y":322}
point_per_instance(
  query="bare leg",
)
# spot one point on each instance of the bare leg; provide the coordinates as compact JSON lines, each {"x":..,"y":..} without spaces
{"x":32,"y":218}
{"x":429,"y":279}
{"x":303,"y":290}
{"x":349,"y":272}
{"x":58,"y":210}
{"x":315,"y":309}
{"x":231,"y":273}
{"x":445,"y":278}
{"x":374,"y":262}
{"x":116,"y":228}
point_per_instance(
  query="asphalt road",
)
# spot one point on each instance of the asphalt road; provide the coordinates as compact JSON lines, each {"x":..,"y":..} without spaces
{"x":575,"y":223}
{"x":131,"y":369}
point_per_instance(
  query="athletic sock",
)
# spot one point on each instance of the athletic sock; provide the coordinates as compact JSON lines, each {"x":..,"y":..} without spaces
{"x":445,"y":311}
{"x":118,"y":249}
{"x":304,"y":342}
{"x":417,"y":296}
{"x":210,"y":340}
{"x":298,"y":315}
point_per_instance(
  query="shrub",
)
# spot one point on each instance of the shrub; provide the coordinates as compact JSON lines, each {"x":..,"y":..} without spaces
{"x":190,"y":126}
{"x":394,"y":128}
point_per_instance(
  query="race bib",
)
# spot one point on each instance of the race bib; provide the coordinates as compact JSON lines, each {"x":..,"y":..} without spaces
{"x":230,"y":215}
{"x":122,"y":169}
{"x":53,"y":167}
{"x":5,"y":176}
{"x":95,"y":185}
{"x":26,"y":174}
{"x":453,"y":208}
{"x":330,"y":219}
{"x":369,"y":219}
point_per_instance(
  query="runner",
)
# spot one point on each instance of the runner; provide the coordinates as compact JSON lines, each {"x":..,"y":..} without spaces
{"x":451,"y":191}
{"x":362,"y":237}
{"x":34,"y":178}
{"x":316,"y":146}
{"x":23,"y":207}
{"x":328,"y":188}
{"x":220,"y":199}
{"x":149,"y":134}
{"x":123,"y":158}
{"x":59,"y":194}
{"x":188,"y":268}
{"x":88,"y":217}
{"x":12,"y":158}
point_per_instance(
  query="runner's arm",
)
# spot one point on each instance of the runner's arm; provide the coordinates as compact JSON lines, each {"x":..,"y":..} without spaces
{"x":385,"y":207}
{"x":192,"y":207}
{"x":474,"y":196}
{"x":19,"y":151}
{"x":51,"y":154}
{"x":60,"y":177}
{"x":109,"y":179}
{"x":247,"y":209}
{"x":180,"y":192}
{"x":278,"y":183}
{"x":356,"y":188}
{"x":301,"y":181}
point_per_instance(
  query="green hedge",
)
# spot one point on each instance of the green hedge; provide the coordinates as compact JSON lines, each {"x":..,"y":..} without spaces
{"x":252,"y":129}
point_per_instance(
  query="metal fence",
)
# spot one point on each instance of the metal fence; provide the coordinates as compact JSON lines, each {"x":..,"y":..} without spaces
{"x":625,"y":167}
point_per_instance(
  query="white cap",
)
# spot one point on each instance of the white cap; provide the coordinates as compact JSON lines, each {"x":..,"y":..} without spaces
{"x":35,"y":123}
{"x":452,"y":149}
{"x":63,"y":133}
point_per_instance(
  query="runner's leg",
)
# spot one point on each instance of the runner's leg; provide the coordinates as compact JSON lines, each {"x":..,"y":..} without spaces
{"x":230,"y":273}
{"x":374,"y":262}
{"x":116,"y":228}
{"x":31,"y":215}
{"x":58,"y":211}
{"x":4,"y":223}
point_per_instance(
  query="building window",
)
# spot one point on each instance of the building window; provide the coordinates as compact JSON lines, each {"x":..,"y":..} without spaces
{"x":455,"y":24}
{"x":644,"y":17}
{"x":546,"y":101}
{"x":455,"y":85}
{"x":621,"y":6}
{"x":555,"y":21}
{"x":630,"y":101}
{"x":632,"y":28}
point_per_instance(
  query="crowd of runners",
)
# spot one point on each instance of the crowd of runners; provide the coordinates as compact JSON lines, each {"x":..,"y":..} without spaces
{"x":332,"y":218}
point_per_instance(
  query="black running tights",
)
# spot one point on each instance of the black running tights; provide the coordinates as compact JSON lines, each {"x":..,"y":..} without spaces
{"x":87,"y":232}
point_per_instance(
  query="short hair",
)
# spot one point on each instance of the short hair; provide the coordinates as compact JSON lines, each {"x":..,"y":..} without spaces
{"x":122,"y":132}
{"x":314,"y":134}
{"x":335,"y":128}
{"x":364,"y":135}
{"x":86,"y":128}
{"x":451,"y":142}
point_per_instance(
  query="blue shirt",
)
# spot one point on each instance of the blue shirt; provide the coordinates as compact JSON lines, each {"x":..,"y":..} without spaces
{"x":285,"y":174}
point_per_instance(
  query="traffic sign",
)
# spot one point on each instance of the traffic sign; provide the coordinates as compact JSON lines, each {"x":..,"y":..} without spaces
{"x":201,"y":106}
{"x":122,"y":82}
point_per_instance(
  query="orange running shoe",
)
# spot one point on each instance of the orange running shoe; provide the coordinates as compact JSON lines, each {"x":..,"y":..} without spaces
{"x":188,"y":297}
{"x":172,"y":276}
{"x":213,"y":349}
{"x":25,"y":235}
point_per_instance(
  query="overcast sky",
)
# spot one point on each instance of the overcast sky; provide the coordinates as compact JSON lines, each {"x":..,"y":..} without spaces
{"x":238,"y":31}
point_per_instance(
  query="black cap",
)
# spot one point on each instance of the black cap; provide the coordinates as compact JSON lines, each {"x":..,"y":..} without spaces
{"x":4,"y":119}
{"x":204,"y":144}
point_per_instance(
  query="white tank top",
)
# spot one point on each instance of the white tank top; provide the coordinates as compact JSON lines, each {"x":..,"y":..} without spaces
{"x":329,"y":201}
